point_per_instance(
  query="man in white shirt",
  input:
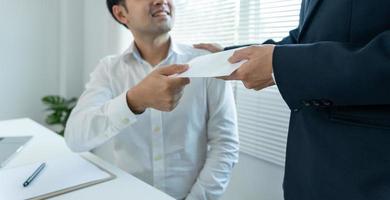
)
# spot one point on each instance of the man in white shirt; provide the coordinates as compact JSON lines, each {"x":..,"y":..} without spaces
{"x":176,"y":134}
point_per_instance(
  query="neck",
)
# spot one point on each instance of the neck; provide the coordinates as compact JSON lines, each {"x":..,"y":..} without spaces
{"x":153,"y":49}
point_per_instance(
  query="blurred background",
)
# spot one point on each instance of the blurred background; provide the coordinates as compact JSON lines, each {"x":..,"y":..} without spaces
{"x":49,"y":47}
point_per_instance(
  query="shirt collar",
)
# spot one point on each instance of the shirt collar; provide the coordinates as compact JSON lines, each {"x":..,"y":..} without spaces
{"x":132,"y":51}
{"x":176,"y":48}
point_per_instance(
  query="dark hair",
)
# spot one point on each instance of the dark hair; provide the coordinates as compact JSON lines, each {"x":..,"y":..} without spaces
{"x":111,"y":3}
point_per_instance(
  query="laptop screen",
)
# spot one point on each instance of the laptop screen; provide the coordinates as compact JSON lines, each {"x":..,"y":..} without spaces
{"x":9,"y":146}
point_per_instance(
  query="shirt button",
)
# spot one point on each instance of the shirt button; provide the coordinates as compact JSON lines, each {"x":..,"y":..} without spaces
{"x":157,"y":158}
{"x":125,"y":121}
{"x":326,"y":103}
{"x":306,"y":103}
{"x":157,"y":129}
{"x":316,"y":103}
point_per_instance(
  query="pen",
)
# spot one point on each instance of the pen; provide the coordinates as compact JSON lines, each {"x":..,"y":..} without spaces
{"x":33,"y":175}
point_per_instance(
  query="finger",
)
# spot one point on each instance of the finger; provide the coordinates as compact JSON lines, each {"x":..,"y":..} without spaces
{"x":231,"y":77}
{"x":258,"y":88}
{"x":177,"y":90}
{"x":175,"y":105}
{"x":239,"y":55}
{"x":200,"y":45}
{"x":204,"y":46}
{"x":172,"y":69}
{"x":246,"y":84}
{"x":266,"y":84}
{"x":181,"y":89}
{"x":179,"y":82}
{"x":271,"y":83}
{"x":211,"y":47}
{"x":235,"y":75}
{"x":227,"y":78}
{"x":178,"y":96}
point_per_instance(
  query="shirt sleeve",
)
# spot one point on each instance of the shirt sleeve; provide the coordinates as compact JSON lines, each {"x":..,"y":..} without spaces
{"x":222,"y":141}
{"x":98,"y":115}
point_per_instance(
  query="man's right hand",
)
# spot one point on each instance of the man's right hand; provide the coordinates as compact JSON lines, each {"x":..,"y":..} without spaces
{"x":158,"y":90}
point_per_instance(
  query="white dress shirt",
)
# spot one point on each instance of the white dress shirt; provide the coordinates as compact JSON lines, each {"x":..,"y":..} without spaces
{"x":188,"y":153}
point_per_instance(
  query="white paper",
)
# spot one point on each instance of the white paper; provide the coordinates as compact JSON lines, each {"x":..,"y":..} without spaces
{"x":58,"y":174}
{"x":211,"y":65}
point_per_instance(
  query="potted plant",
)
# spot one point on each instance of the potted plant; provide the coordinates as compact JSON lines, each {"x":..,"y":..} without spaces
{"x":58,"y":109}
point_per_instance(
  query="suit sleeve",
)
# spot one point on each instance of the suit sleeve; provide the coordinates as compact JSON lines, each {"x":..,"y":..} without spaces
{"x":342,"y":73}
{"x":291,"y":39}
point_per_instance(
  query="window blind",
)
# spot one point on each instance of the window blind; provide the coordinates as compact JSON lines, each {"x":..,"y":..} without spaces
{"x":263,"y":116}
{"x":206,"y":21}
{"x":264,"y":19}
{"x":263,"y":119}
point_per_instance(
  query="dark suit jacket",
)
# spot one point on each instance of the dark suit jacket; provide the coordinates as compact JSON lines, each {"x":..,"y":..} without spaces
{"x":334,"y":73}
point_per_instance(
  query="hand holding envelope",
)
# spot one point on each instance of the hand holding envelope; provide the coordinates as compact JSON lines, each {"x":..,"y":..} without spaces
{"x":257,"y":72}
{"x":211,"y":65}
{"x":251,"y":65}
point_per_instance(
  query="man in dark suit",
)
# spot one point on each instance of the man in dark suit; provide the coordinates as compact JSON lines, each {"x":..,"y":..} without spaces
{"x":334,"y":73}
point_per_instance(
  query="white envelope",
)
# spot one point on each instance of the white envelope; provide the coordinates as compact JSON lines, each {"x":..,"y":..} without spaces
{"x":211,"y":65}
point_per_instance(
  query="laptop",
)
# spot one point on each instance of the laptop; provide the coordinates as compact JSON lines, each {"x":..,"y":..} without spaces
{"x":10,"y":146}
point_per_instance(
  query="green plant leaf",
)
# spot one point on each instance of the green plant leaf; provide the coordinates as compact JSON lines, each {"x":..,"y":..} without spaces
{"x":54,"y":118}
{"x":53,"y":100}
{"x":58,"y":109}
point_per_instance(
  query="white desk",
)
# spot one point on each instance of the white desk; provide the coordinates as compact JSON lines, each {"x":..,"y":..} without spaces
{"x":46,"y":145}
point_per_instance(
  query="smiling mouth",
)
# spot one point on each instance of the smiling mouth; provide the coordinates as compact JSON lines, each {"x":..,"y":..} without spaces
{"x":161,"y":13}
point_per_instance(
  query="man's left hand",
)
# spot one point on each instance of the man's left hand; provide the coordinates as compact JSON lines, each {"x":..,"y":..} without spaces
{"x":256,"y":73}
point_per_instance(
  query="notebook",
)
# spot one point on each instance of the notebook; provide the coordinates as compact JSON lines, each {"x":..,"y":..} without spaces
{"x":60,"y":176}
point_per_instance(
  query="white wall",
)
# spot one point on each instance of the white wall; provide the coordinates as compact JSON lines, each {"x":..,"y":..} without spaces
{"x":29,"y":59}
{"x":71,"y":49}
{"x":101,"y":36}
{"x":255,"y":179}
{"x":50,"y":47}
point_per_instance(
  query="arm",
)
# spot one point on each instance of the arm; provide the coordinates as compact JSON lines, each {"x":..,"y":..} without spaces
{"x":213,"y":47}
{"x":223,"y":142}
{"x":100,"y":115}
{"x":291,"y":39}
{"x":345,"y":74}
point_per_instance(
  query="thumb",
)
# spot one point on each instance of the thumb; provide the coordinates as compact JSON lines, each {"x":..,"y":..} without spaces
{"x":172,"y":69}
{"x":239,"y":55}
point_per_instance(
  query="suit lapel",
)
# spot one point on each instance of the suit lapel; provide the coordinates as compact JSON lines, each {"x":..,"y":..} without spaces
{"x":311,"y":7}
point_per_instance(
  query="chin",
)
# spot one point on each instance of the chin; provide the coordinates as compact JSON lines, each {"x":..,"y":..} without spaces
{"x":164,"y":28}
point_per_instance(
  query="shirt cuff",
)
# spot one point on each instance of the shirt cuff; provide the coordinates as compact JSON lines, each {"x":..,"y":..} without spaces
{"x":120,"y":114}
